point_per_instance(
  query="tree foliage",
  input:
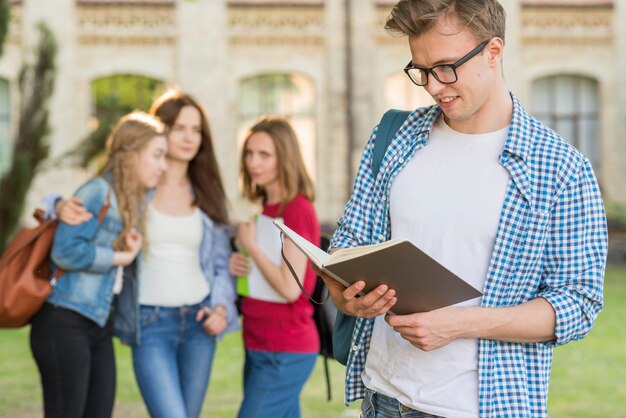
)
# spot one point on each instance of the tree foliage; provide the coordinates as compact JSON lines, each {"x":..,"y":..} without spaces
{"x":5,"y":14}
{"x":30,"y":148}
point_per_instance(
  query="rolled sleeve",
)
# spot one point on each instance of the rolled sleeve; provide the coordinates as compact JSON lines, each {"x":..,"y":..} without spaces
{"x":103,"y":259}
{"x":576,"y":257}
{"x":73,"y":247}
{"x":49,"y":203}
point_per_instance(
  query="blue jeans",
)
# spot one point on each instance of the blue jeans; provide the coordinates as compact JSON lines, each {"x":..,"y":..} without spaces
{"x":273,"y":382}
{"x":173,"y":361}
{"x":375,"y":405}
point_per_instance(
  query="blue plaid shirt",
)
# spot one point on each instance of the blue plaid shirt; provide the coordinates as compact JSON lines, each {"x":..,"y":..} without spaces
{"x":551,"y":242}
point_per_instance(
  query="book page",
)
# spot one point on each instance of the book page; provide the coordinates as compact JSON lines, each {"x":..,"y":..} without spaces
{"x":350,"y":253}
{"x":268,"y":239}
{"x":310,"y":250}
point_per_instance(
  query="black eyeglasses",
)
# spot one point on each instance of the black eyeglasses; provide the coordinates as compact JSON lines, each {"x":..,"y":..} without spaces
{"x":444,"y":73}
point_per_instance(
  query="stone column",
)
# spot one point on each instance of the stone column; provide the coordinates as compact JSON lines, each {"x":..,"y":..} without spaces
{"x":364,"y":29}
{"x":333,"y":188}
{"x":201,"y":70}
{"x":617,"y":178}
{"x":513,"y":48}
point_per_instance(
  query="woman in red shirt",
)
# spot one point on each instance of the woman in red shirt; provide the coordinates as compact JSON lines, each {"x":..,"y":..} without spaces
{"x":280,"y":339}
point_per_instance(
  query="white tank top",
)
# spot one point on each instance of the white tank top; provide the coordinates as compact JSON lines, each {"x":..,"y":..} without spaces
{"x":447,"y":201}
{"x":171,"y":274}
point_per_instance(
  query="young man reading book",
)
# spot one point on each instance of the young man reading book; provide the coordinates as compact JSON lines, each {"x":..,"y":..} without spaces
{"x":496,"y":197}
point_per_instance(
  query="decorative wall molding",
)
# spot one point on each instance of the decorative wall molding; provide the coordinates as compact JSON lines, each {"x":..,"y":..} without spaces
{"x":282,"y":25}
{"x":126,"y":24}
{"x":570,"y":25}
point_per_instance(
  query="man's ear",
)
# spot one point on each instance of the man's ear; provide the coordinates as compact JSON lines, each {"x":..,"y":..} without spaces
{"x":495,"y":50}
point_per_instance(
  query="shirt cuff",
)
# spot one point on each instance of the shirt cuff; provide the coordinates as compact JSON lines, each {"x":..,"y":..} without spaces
{"x":103,"y":259}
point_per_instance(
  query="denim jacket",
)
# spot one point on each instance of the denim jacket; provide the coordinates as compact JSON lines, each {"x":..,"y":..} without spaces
{"x":85,"y":252}
{"x":214,"y":254}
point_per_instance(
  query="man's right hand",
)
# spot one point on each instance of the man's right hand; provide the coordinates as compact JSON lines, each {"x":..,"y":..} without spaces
{"x":72,"y":212}
{"x":347,"y":299}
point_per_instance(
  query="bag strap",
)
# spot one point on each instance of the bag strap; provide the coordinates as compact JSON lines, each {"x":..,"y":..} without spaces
{"x":389,"y":125}
{"x":101,"y":215}
{"x":295,"y":275}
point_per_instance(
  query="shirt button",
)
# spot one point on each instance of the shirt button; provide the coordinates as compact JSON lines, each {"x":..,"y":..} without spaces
{"x":355,"y":347}
{"x":401,"y":160}
{"x":381,"y":237}
{"x":384,"y":198}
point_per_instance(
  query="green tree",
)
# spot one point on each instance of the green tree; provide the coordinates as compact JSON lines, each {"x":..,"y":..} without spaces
{"x":30,"y":148}
{"x":5,"y":14}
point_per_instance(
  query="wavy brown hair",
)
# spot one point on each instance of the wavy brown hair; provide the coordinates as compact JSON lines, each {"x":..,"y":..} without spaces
{"x":203,"y":170}
{"x":484,"y":18}
{"x":292,"y":175}
{"x":130,"y":136}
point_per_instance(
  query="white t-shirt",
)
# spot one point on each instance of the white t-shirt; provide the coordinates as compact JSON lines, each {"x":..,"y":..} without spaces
{"x":447,"y":201}
{"x":171,"y":274}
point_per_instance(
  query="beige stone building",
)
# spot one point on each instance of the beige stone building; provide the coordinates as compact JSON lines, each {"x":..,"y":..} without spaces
{"x":326,"y":64}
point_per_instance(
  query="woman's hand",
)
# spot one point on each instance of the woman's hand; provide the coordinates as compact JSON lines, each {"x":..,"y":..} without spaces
{"x":239,"y":264}
{"x":215,"y":322}
{"x":72,"y":212}
{"x":246,"y":235}
{"x":134,"y":241}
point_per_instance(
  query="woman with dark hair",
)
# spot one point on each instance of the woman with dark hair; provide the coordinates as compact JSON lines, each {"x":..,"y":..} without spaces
{"x":280,"y":339}
{"x":180,"y":298}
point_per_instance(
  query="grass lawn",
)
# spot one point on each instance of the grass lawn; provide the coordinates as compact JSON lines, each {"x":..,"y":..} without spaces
{"x":588,"y":377}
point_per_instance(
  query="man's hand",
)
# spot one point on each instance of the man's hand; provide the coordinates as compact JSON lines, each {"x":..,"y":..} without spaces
{"x":375,"y":303}
{"x":72,"y":212}
{"x":429,"y":330}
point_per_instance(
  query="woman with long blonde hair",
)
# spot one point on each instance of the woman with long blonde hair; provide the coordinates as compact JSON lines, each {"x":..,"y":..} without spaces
{"x":71,"y":337}
{"x":280,"y":339}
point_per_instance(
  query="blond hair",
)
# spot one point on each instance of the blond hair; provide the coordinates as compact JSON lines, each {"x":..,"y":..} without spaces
{"x":130,"y":135}
{"x":292,"y":175}
{"x":484,"y":18}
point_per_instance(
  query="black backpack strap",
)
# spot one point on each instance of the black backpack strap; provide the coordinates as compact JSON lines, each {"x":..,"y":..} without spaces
{"x":389,"y":125}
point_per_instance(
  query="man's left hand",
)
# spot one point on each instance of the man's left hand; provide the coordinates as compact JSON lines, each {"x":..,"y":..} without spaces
{"x":429,"y":330}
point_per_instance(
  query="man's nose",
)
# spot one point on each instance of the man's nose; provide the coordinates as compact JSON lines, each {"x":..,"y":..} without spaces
{"x":434,"y":86}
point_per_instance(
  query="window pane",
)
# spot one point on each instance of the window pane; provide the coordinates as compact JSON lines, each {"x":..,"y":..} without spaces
{"x":291,"y":96}
{"x":569,"y":105}
{"x":565,"y":96}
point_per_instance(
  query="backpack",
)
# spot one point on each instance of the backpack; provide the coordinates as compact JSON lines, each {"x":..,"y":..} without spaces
{"x":324,"y":312}
{"x":25,"y":273}
{"x":25,"y":270}
{"x":343,"y":325}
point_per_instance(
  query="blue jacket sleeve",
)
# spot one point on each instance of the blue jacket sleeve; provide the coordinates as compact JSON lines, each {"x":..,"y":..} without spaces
{"x":223,"y":289}
{"x":73,"y":248}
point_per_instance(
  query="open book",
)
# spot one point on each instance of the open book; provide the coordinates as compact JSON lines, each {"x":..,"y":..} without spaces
{"x":420,"y":282}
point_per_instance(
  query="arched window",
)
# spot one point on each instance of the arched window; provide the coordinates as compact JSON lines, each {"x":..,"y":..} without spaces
{"x":291,"y":96}
{"x":112,"y":97}
{"x":5,"y":126}
{"x":122,"y":93}
{"x":569,"y":105}
{"x":401,"y":93}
